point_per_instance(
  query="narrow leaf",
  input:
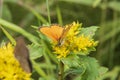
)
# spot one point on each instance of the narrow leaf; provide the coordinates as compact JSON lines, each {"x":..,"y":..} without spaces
{"x":8,"y":36}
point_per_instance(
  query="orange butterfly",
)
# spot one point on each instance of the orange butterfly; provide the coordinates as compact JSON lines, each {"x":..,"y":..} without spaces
{"x":55,"y":32}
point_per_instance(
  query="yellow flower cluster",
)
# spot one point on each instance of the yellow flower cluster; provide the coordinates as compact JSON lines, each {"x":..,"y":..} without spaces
{"x":74,"y":43}
{"x":9,"y":67}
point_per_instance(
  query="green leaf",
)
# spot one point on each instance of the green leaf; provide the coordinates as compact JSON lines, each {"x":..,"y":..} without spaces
{"x":71,"y":61}
{"x":115,"y":5}
{"x":84,"y":2}
{"x":86,"y":52}
{"x":92,"y":68}
{"x":45,"y":41}
{"x":48,"y":78}
{"x":41,"y":78}
{"x":96,"y":3}
{"x":73,"y":65}
{"x":35,"y":51}
{"x":75,"y":71}
{"x":89,"y":31}
{"x":108,"y":33}
{"x":38,"y":69}
{"x":45,"y":65}
{"x":102,"y":70}
{"x":18,"y":29}
{"x":59,"y":15}
{"x":12,"y":1}
{"x":112,"y":74}
{"x":8,"y":36}
{"x":3,"y":43}
{"x":6,"y":14}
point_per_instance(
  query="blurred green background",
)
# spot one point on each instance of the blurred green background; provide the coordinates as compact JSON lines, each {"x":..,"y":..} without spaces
{"x":102,"y":13}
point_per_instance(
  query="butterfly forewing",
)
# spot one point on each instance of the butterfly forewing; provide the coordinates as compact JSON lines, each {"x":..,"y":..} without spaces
{"x":54,"y":31}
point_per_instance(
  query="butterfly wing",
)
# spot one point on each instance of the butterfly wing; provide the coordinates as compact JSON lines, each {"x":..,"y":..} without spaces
{"x":54,"y":32}
{"x":64,"y":33}
{"x":22,"y":55}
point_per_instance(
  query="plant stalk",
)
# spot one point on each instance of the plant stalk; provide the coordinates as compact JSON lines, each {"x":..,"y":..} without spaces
{"x":48,"y":10}
{"x":1,"y":6}
{"x":61,"y":71}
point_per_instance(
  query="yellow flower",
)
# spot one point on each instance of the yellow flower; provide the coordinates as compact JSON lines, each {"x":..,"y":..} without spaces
{"x":61,"y":51}
{"x":74,"y":30}
{"x":67,"y":39}
{"x":9,"y":67}
{"x":74,"y":43}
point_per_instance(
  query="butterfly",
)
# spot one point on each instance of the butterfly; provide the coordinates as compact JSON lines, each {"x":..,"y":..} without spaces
{"x":22,"y":55}
{"x":56,"y":32}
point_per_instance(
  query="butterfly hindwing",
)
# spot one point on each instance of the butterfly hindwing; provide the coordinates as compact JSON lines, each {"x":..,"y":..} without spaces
{"x":22,"y":55}
{"x":64,"y":33}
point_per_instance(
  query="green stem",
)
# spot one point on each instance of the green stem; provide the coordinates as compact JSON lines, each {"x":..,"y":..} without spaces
{"x":39,"y":69}
{"x":49,"y":52}
{"x":59,"y":16}
{"x":112,"y":46}
{"x":1,"y":6}
{"x":49,"y":71}
{"x":48,"y":11}
{"x":104,"y":12}
{"x":33,"y":11}
{"x":8,"y":36}
{"x":61,"y":71}
{"x":103,"y":16}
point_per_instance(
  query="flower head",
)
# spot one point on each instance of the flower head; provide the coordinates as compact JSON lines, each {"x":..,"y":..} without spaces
{"x":10,"y":68}
{"x":74,"y":43}
{"x":68,"y":39}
